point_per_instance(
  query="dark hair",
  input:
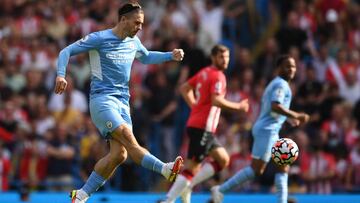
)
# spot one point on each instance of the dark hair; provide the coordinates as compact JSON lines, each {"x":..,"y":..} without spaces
{"x":219,"y":48}
{"x":281,"y":59}
{"x":128,"y":8}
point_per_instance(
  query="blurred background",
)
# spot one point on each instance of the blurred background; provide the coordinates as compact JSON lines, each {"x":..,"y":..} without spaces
{"x":48,"y":142}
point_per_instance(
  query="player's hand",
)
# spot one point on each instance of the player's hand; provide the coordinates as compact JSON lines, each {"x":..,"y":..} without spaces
{"x":178,"y":54}
{"x":244,"y":105}
{"x":303,"y":118}
{"x":293,"y":122}
{"x":60,"y":85}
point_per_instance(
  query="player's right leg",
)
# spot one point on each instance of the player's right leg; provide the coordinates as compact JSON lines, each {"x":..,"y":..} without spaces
{"x":142,"y":157}
{"x":281,"y":183}
{"x":103,"y":170}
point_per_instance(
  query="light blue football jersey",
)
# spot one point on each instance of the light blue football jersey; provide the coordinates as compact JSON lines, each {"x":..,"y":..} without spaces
{"x":111,"y":59}
{"x":278,"y":90}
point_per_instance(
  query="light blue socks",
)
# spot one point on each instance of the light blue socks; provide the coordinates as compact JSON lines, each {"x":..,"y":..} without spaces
{"x":281,"y":184}
{"x":239,"y":178}
{"x":94,"y":182}
{"x":151,"y":162}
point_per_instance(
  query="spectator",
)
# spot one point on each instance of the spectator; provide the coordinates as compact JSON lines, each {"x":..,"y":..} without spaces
{"x":5,"y":167}
{"x":161,"y":113}
{"x":320,"y":171}
{"x":60,"y":159}
{"x":291,"y":35}
{"x":353,"y":176}
{"x":77,"y":99}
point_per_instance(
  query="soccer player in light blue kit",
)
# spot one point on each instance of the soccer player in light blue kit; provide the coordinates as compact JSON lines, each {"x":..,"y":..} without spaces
{"x":275,"y":105}
{"x":111,"y":53}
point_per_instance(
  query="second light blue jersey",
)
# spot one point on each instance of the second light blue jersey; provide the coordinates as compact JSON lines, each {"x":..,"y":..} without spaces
{"x":278,"y":90}
{"x":111,"y":59}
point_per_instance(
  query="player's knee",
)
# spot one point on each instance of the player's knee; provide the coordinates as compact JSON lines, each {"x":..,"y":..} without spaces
{"x":283,"y":169}
{"x":122,"y":156}
{"x":259,"y":171}
{"x":119,"y":157}
{"x":224,"y":161}
{"x":125,"y":136}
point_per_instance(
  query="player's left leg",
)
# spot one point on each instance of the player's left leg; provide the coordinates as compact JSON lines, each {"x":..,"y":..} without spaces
{"x":261,"y":153}
{"x":208,"y":169}
{"x":220,"y":160}
{"x":281,"y":183}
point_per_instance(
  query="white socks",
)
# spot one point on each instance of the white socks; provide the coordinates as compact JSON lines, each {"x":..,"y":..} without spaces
{"x":177,"y":188}
{"x":206,"y":171}
{"x":181,"y":182}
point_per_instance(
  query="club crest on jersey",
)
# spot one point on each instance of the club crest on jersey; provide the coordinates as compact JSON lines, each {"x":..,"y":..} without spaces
{"x":131,"y":45}
{"x":109,"y":124}
{"x":204,"y":75}
{"x":280,"y":93}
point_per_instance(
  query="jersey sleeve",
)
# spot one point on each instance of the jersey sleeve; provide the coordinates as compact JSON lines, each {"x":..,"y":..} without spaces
{"x":278,"y":93}
{"x":218,"y":84}
{"x":150,"y":57}
{"x":89,"y":42}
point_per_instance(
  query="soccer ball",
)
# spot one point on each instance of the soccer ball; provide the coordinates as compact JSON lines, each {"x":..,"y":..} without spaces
{"x":284,"y":152}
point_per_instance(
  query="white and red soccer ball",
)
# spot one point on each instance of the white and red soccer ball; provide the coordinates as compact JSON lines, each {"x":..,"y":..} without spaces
{"x":284,"y":151}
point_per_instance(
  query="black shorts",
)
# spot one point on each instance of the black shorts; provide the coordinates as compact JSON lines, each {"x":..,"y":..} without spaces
{"x":200,"y":143}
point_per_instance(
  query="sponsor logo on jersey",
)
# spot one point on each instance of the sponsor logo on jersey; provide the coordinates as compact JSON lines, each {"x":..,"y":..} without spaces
{"x":130,"y":45}
{"x":118,"y":57}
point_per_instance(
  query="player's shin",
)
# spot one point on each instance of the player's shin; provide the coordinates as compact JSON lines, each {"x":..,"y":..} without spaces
{"x":206,"y":171}
{"x":152,"y":163}
{"x":94,"y":182}
{"x":281,"y":184}
{"x":238,"y":179}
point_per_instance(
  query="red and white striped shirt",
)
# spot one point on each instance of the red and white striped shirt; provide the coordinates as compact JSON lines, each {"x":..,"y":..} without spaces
{"x":206,"y":82}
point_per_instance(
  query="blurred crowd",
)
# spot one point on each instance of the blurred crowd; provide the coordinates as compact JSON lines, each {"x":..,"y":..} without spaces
{"x":48,"y":142}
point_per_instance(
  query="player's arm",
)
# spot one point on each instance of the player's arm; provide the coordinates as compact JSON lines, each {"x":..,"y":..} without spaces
{"x":155,"y":57}
{"x":218,"y":89}
{"x":85,"y":44}
{"x":187,"y":92}
{"x":278,"y":98}
{"x":221,"y":102}
{"x":280,"y":109}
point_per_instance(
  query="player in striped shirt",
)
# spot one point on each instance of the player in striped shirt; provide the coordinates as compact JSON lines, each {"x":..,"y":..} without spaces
{"x":205,"y":93}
